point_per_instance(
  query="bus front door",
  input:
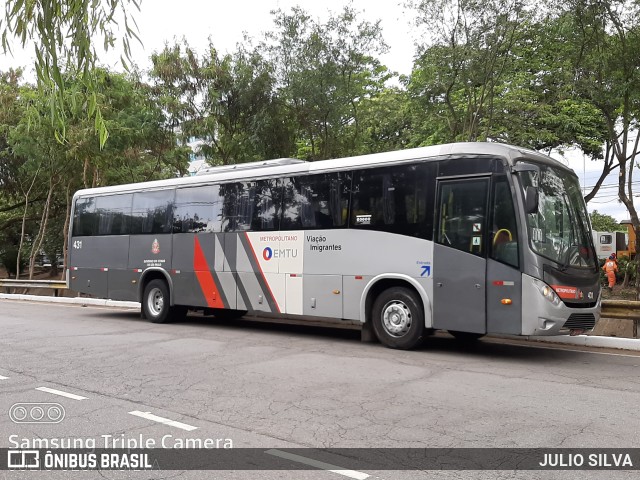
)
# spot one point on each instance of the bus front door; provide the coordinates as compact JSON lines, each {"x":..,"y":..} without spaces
{"x":459,"y":260}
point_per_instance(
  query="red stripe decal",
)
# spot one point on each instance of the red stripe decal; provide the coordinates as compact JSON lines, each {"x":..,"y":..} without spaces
{"x":275,"y":302}
{"x":205,"y":279}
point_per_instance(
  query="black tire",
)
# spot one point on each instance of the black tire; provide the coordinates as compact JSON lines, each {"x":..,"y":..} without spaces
{"x":466,"y":337}
{"x":156,"y":303}
{"x":228,"y":314}
{"x":398,"y":318}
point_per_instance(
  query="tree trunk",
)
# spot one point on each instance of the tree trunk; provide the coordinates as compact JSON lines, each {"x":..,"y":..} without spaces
{"x":43,"y":229}
{"x":65,"y":233}
{"x":637,"y":262}
{"x":24,"y":222}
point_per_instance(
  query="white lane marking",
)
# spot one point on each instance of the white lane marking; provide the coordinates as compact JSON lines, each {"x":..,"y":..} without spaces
{"x":3,"y":378}
{"x":166,"y":421}
{"x":61,"y":393}
{"x":315,"y":463}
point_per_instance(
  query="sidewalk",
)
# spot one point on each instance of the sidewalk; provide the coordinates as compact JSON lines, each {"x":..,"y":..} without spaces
{"x":579,"y":340}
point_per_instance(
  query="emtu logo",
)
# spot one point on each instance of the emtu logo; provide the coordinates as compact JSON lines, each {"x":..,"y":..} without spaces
{"x":267,"y":253}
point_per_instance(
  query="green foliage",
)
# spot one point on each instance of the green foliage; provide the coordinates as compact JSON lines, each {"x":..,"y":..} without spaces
{"x":501,"y":76}
{"x":602,"y":39}
{"x":64,"y":34}
{"x":40,"y":175}
{"x":11,"y":111}
{"x":327,"y":74}
{"x":227,"y":102}
{"x":627,"y":267}
{"x":386,"y":122}
{"x":508,"y":71}
{"x":601,"y":222}
{"x":8,"y":258}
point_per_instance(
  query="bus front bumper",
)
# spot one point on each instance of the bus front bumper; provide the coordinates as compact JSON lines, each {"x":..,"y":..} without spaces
{"x":549,"y":315}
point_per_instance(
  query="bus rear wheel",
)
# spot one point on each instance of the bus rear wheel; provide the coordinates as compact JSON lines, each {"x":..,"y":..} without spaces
{"x":398,"y":318}
{"x":156,"y":303}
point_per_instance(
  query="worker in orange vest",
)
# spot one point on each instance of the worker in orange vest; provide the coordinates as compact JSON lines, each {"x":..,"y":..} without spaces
{"x":611,"y":267}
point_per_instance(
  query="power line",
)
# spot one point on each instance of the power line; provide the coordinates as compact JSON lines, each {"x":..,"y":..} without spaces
{"x":611,"y":185}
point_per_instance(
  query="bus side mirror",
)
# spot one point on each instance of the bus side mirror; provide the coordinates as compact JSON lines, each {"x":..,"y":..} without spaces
{"x":531,"y":200}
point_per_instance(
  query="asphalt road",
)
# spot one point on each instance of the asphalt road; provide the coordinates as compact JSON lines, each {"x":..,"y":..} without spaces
{"x":265,"y":386}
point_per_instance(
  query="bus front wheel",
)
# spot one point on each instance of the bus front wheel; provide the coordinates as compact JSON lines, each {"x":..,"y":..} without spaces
{"x":156,"y":303}
{"x":398,"y":318}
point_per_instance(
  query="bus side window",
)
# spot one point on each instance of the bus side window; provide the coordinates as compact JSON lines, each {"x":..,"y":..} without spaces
{"x":114,"y":212}
{"x":251,"y":205}
{"x":246,"y":197}
{"x":316,"y":201}
{"x":339,"y":191}
{"x":504,"y":236}
{"x":152,"y":212}
{"x":229,"y":195}
{"x":390,"y":199}
{"x":198,"y":209}
{"x":297,"y":206}
{"x":85,"y":218}
{"x":268,"y":201}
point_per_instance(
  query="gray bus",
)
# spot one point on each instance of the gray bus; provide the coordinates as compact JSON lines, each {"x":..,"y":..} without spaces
{"x":473,"y":238}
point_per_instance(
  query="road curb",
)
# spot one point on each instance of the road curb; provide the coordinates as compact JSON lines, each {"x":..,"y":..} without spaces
{"x":579,"y":340}
{"x":98,"y":302}
{"x":590,"y":341}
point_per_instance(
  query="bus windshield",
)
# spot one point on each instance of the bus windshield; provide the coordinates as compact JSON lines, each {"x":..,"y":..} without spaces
{"x":559,"y":230}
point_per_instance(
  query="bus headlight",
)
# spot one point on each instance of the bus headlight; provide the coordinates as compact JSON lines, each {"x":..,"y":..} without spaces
{"x":548,"y":292}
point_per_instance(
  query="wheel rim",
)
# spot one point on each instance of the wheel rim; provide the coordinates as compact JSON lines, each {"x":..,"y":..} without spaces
{"x":396,"y":318}
{"x":155,"y":301}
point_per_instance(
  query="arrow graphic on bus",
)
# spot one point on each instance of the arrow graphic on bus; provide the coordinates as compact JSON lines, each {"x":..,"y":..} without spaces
{"x":426,"y":271}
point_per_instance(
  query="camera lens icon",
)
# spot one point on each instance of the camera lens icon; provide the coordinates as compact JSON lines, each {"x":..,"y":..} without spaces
{"x":36,"y":413}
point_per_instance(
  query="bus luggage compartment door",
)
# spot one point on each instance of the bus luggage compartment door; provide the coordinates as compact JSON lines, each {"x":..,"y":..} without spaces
{"x":323,"y":295}
{"x":458,"y":290}
{"x":92,"y":281}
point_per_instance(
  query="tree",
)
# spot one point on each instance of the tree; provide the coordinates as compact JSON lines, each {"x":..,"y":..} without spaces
{"x":64,"y":33}
{"x":607,"y":75}
{"x":305,"y":91}
{"x":498,"y":72}
{"x":46,"y":172}
{"x":326,"y":73}
{"x":467,"y":57}
{"x":227,"y":101}
{"x":602,"y":222}
{"x":386,"y":122}
{"x":15,"y":194}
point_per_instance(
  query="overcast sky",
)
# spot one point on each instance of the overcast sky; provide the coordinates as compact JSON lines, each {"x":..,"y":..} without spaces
{"x":161,"y":21}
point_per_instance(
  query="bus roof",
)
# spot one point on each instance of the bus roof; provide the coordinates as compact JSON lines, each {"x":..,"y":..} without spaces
{"x":279,"y":167}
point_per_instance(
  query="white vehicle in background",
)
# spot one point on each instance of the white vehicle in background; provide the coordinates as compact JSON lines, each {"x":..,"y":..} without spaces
{"x":607,"y":243}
